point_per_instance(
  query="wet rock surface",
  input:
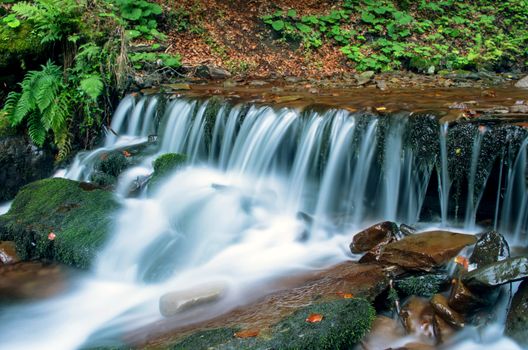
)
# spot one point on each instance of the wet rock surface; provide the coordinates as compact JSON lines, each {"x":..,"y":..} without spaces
{"x":441,"y":307}
{"x":463,"y":300}
{"x":424,"y":285}
{"x":21,"y":163}
{"x":490,"y":247}
{"x":8,"y":254}
{"x":517,"y":320}
{"x":523,"y":83}
{"x":417,"y":316}
{"x":496,"y":274}
{"x":425,"y":250}
{"x":343,"y":283}
{"x":177,"y":302}
{"x":31,"y":280}
{"x":381,"y":233}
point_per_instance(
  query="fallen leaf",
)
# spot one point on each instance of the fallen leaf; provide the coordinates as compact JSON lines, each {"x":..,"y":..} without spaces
{"x":314,"y":318}
{"x":380,"y":109}
{"x":126,"y":154}
{"x":462,"y":261}
{"x":345,"y":295}
{"x":247,"y":333}
{"x":51,"y":236}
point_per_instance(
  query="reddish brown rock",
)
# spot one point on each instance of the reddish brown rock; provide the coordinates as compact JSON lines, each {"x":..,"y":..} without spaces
{"x":417,"y":316}
{"x":425,"y":250}
{"x":442,"y":330}
{"x":373,"y":236}
{"x":463,"y":300}
{"x":441,"y":307}
{"x":8,"y":254}
{"x":31,"y":280}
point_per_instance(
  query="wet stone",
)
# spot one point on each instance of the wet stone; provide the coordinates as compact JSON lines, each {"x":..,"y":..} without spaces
{"x":417,"y":317}
{"x":496,"y":274}
{"x":407,"y":230}
{"x":8,"y":254}
{"x":371,"y":237}
{"x":463,"y":300}
{"x":385,"y":331}
{"x":523,"y":83}
{"x":441,"y":307}
{"x":423,"y":285}
{"x":176,"y":302}
{"x":490,"y":247}
{"x":425,"y":250}
{"x":517,"y":320}
{"x":442,"y":330}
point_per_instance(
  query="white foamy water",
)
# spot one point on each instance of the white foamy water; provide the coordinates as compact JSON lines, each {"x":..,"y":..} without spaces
{"x":4,"y":207}
{"x":231,"y":216}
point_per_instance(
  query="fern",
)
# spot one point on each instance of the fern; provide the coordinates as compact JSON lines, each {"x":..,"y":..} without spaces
{"x":43,"y":102}
{"x":92,"y":86}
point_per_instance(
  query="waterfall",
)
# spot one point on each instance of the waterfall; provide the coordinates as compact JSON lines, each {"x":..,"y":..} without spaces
{"x":267,"y":192}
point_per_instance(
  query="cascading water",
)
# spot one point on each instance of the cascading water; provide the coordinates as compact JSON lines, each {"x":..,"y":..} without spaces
{"x":267,"y":192}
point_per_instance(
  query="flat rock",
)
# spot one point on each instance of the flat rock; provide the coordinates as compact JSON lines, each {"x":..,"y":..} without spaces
{"x":523,"y":83}
{"x":369,"y":238}
{"x":8,"y":254}
{"x":425,"y":250}
{"x":496,"y":274}
{"x":364,"y":77}
{"x":517,"y":320}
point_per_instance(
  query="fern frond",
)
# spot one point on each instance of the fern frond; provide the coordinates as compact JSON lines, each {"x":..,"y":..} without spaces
{"x":46,"y":86}
{"x":25,"y":104}
{"x":63,"y":142}
{"x":36,"y":130}
{"x":57,"y":114}
{"x":10,"y":104}
{"x":92,"y":86}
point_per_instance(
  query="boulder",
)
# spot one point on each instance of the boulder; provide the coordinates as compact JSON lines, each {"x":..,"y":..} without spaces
{"x":496,"y":274}
{"x":523,"y":83}
{"x":56,"y":219}
{"x":8,"y":253}
{"x":425,"y":250}
{"x":441,"y":307}
{"x":364,"y":77}
{"x":212,"y":72}
{"x":490,"y":247}
{"x":383,"y":232}
{"x":20,"y":164}
{"x":517,"y":320}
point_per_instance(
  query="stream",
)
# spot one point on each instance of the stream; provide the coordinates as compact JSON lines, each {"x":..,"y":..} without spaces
{"x":268,"y":192}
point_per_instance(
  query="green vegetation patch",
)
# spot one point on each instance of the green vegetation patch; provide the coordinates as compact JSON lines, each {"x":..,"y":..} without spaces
{"x":164,"y":165}
{"x":59,"y":220}
{"x":424,"y":285}
{"x":420,"y":35}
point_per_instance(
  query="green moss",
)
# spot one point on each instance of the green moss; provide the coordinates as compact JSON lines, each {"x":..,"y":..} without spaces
{"x":5,"y":127}
{"x":164,"y":165}
{"x":113,"y":164}
{"x":425,"y":285}
{"x":221,"y":338}
{"x":15,"y":43}
{"x":344,"y":324}
{"x":79,"y":218}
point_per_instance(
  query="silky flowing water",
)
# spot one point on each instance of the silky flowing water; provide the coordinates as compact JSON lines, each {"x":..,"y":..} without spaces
{"x":267,"y":193}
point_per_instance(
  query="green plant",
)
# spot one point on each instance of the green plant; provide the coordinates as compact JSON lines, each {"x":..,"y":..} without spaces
{"x":140,"y":18}
{"x":44,"y":103}
{"x":139,"y":59}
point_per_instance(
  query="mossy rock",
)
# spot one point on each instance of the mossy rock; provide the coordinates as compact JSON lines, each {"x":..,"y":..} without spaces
{"x":345,"y":322}
{"x":79,"y":217}
{"x":16,"y":43}
{"x":5,"y":126}
{"x":424,"y":285}
{"x":164,"y":165}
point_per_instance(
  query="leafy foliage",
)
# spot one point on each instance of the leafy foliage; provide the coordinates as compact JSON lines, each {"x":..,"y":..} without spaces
{"x":140,"y":18}
{"x":43,"y":103}
{"x":139,"y":59}
{"x":423,"y":35}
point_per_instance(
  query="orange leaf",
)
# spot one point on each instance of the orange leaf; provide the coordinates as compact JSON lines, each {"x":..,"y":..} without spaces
{"x":345,"y":295}
{"x":126,"y":154}
{"x":381,"y":109}
{"x":247,"y":333}
{"x":462,"y":261}
{"x":51,"y":236}
{"x":314,"y":318}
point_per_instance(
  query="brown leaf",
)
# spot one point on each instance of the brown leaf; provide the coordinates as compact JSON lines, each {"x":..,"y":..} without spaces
{"x":462,"y":261}
{"x":314,"y":318}
{"x":247,"y":333}
{"x":345,"y":295}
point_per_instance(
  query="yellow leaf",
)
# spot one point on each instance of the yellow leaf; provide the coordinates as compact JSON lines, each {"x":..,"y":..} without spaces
{"x":314,"y":318}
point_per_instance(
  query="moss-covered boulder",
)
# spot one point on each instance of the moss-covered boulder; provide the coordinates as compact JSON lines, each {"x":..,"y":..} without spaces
{"x":164,"y":165}
{"x":60,"y":220}
{"x":337,"y":324}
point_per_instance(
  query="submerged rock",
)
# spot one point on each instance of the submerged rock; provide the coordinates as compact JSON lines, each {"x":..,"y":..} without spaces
{"x":496,"y":274}
{"x":425,"y":250}
{"x":517,"y":321}
{"x":383,"y":232}
{"x":56,"y":219}
{"x":490,"y":247}
{"x":417,"y":317}
{"x":441,"y":307}
{"x":8,"y":253}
